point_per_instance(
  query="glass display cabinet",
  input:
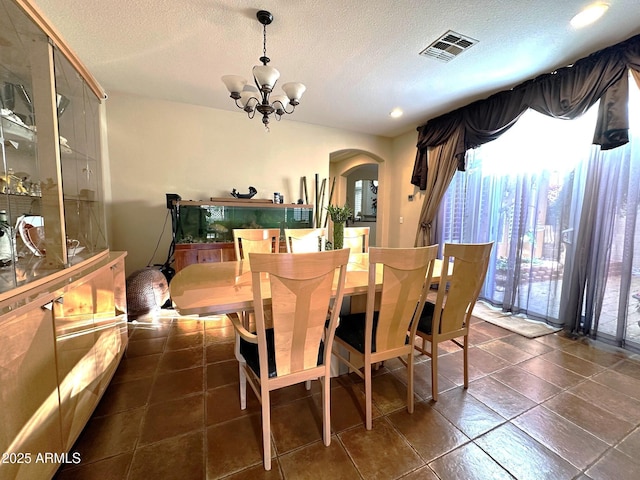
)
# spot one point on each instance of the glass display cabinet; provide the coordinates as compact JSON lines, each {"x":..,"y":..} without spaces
{"x":63,"y":323}
{"x":50,"y":185}
{"x":204,"y":230}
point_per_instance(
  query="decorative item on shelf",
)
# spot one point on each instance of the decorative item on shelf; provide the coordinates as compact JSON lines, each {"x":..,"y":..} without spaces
{"x":339,"y":216}
{"x":236,"y":194}
{"x":250,"y":98}
{"x":87,"y":194}
{"x":8,"y":96}
{"x":73,"y":247}
{"x":62,"y":102}
{"x":65,"y":148}
{"x":13,"y":183}
{"x":31,"y":230}
{"x":8,"y":253}
{"x":16,"y":104}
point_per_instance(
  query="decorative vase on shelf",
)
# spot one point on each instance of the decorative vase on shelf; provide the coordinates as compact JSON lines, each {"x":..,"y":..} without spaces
{"x":339,"y":216}
{"x":338,"y":235}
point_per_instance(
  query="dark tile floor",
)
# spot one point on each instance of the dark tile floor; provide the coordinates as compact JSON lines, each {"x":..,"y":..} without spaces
{"x":548,"y":408}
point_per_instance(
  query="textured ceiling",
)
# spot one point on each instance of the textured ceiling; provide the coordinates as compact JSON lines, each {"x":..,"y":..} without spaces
{"x":358,"y":59}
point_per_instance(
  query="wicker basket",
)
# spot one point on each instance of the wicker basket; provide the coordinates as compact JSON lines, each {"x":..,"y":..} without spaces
{"x":147,"y":292}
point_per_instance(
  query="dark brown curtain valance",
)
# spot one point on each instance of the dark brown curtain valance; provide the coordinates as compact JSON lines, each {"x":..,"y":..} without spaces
{"x":566,"y":93}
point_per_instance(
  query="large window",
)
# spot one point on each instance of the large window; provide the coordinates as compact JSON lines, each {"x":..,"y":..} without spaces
{"x":534,"y":191}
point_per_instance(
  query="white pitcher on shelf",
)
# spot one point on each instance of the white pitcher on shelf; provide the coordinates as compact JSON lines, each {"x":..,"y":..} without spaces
{"x":8,"y":252}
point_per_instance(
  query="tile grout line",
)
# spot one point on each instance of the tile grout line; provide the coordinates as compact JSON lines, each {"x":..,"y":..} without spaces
{"x":146,"y":406}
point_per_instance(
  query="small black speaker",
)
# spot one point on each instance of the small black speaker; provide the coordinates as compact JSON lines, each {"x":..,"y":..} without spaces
{"x":172,"y":197}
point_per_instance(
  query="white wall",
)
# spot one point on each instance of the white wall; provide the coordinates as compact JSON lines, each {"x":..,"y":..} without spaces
{"x":400,"y":169}
{"x":158,"y":147}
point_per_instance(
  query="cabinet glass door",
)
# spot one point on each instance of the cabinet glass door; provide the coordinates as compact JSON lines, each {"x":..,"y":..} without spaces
{"x":21,"y":222}
{"x":78,"y":377}
{"x":29,"y":405}
{"x":79,"y":128}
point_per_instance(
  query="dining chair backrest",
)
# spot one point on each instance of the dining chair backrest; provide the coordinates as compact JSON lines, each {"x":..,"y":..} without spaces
{"x":305,"y":240}
{"x":356,"y":239}
{"x":301,"y":288}
{"x":406,"y":274}
{"x":255,"y":240}
{"x":459,"y":287}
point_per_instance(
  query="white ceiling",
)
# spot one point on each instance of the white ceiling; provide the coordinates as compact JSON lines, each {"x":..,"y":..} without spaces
{"x":358,"y":58}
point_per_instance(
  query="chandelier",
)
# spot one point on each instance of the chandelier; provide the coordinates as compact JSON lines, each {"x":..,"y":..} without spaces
{"x":259,"y":98}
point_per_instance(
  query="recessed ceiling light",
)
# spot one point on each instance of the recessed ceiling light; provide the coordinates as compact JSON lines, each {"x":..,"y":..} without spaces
{"x":396,"y":113}
{"x":589,"y":15}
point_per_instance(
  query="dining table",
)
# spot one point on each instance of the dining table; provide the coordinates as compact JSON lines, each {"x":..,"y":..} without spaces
{"x":226,"y":287}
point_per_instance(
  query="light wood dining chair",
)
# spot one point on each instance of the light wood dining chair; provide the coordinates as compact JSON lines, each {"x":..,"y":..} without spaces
{"x":356,"y":239}
{"x":383,"y":333}
{"x":297,"y":348}
{"x":305,"y":240}
{"x":458,"y":290}
{"x":255,"y":240}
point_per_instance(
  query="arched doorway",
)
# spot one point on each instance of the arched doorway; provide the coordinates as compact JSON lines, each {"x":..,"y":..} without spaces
{"x":349,"y":167}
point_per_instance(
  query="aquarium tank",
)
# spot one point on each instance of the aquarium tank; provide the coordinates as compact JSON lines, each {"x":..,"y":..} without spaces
{"x":200,"y":222}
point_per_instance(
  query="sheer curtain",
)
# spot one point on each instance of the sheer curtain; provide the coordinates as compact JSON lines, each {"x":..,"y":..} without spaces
{"x":563,"y":215}
{"x":518,"y":191}
{"x":603,"y":296}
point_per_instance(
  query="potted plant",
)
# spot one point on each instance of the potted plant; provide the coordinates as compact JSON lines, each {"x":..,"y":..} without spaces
{"x":339,"y":216}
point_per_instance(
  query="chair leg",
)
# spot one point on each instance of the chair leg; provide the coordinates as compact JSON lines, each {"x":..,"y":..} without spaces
{"x":367,"y":394}
{"x":465,"y":355}
{"x":266,"y":428}
{"x":419,"y":348}
{"x":410,"y":382}
{"x":307,"y":384}
{"x":242,"y":374}
{"x":434,"y":371}
{"x":243,"y":385}
{"x":326,"y":410}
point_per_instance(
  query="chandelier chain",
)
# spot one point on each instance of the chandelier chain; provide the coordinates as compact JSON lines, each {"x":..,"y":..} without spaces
{"x":264,"y":42}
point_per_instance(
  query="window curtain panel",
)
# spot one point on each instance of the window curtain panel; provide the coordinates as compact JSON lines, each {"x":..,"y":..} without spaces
{"x":611,"y":198}
{"x":566,"y":93}
{"x":439,"y":177}
{"x":636,"y":76}
{"x":611,"y":195}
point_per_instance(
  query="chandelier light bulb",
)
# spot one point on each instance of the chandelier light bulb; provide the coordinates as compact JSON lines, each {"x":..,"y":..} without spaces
{"x":266,"y":77}
{"x":234,"y":83}
{"x":294,"y":91}
{"x":248,"y":97}
{"x":280,"y":103}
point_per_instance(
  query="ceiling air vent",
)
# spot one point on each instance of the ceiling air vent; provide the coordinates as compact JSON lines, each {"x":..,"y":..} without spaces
{"x":448,"y":46}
